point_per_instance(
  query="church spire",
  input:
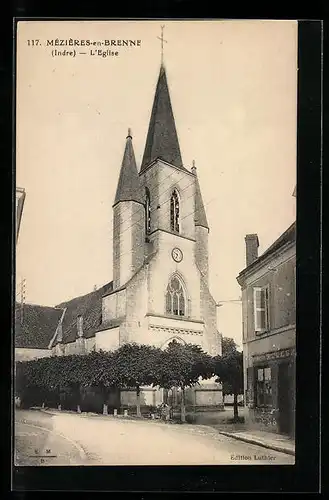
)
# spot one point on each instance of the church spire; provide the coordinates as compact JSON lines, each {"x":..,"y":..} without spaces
{"x":200,"y":218}
{"x":162,"y":140}
{"x":128,"y":186}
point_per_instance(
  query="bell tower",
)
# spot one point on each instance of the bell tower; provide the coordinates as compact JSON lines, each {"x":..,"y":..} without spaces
{"x":128,"y":220}
{"x":160,"y":252}
{"x":167,"y":185}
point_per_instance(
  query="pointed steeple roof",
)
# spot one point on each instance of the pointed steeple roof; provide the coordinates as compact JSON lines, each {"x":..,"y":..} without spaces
{"x":200,"y":218}
{"x":128,"y":186}
{"x":162,"y":141}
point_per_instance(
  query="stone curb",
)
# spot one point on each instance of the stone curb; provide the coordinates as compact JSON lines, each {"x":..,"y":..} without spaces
{"x":274,"y":447}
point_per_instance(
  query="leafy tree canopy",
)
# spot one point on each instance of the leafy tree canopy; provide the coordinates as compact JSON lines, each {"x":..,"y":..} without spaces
{"x":183,"y":365}
{"x":229,"y":370}
{"x":228,"y":346}
{"x":136,"y":365}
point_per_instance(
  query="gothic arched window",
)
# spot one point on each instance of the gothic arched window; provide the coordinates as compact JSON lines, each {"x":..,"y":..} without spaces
{"x":175,"y":298}
{"x":147,"y":211}
{"x":174,"y":212}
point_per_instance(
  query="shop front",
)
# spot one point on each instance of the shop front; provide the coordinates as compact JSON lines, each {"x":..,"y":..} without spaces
{"x":270,"y":395}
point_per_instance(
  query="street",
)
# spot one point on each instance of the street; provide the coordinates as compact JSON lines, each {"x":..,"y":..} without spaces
{"x":70,"y":439}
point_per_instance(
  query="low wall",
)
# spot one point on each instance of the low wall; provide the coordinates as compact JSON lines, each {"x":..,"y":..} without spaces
{"x":197,"y":398}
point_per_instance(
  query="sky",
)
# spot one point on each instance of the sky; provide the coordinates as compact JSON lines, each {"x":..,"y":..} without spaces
{"x":233,"y":87}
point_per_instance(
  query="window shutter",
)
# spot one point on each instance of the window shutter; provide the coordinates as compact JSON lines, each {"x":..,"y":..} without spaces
{"x":267,"y":308}
{"x":257,"y":309}
{"x":261,"y":309}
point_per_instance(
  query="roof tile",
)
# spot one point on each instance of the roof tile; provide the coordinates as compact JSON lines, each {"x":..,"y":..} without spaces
{"x":88,"y":306}
{"x":38,"y":326}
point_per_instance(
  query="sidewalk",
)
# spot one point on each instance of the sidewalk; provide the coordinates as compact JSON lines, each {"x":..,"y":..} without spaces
{"x":269,"y":440}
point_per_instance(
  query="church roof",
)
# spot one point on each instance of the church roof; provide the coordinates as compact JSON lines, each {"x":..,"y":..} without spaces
{"x":88,"y":306}
{"x":162,"y":141}
{"x":128,"y":188}
{"x":200,"y":218}
{"x":38,"y":326}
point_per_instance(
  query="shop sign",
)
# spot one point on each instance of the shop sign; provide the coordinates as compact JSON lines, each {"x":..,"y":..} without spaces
{"x":268,"y":356}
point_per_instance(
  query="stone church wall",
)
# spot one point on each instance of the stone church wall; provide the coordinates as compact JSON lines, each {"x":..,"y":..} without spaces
{"x":150,"y":180}
{"x":161,"y":331}
{"x":107,"y":340}
{"x":128,"y":241}
{"x":209,"y":313}
{"x":26,"y":354}
{"x":136,"y":304}
{"x":201,"y":251}
{"x":114,"y":306}
{"x":90,"y":344}
{"x":149,"y":396}
{"x":208,"y":397}
{"x":116,"y":245}
{"x":169,"y":179}
{"x":162,"y":267}
{"x":138,"y":236}
{"x":72,"y":348}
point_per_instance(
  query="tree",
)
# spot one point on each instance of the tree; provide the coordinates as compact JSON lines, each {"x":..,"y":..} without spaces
{"x":229,"y":370}
{"x":182,"y":366}
{"x":101,"y":373}
{"x":26,"y":383}
{"x":43,"y":376}
{"x":136,"y":365}
{"x":78,"y":370}
{"x":228,"y":345}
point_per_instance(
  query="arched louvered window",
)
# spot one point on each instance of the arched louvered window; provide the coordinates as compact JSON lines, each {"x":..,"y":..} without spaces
{"x":147,"y":211}
{"x":174,"y":212}
{"x":175,"y":298}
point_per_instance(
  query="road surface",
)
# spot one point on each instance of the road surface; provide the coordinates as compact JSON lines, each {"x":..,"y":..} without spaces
{"x":71,"y":439}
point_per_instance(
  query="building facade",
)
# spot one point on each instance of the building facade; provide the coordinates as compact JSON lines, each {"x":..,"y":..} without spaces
{"x":269,"y":333}
{"x":159,"y":292}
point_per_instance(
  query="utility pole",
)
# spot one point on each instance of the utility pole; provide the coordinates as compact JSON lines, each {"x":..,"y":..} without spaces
{"x":23,"y":292}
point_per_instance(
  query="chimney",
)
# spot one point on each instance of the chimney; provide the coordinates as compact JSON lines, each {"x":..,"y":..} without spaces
{"x":252,"y":245}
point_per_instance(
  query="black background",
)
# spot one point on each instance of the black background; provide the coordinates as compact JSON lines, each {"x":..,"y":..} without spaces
{"x":304,"y":476}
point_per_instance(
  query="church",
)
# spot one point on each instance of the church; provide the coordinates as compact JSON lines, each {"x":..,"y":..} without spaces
{"x":160,"y":288}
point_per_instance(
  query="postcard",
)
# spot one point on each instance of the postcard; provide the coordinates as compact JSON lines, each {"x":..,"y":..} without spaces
{"x":155,"y":318}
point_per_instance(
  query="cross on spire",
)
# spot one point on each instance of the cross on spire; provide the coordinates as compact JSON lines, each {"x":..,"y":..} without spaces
{"x":162,"y":40}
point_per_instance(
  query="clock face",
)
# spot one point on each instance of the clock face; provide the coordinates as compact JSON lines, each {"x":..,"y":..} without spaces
{"x":177,"y":255}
